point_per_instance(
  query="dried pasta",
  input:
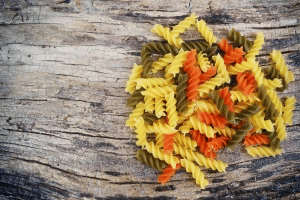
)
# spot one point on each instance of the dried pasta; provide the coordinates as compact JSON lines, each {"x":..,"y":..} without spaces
{"x":190,"y":99}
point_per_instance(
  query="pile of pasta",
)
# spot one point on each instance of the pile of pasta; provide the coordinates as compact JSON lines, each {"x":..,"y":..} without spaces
{"x":191,"y":99}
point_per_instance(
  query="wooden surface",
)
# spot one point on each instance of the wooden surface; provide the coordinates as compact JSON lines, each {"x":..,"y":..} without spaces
{"x":64,"y":65}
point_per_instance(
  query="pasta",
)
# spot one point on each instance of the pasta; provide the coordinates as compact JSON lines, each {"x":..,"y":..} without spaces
{"x":241,"y":40}
{"x":191,"y":99}
{"x":262,"y":151}
{"x":143,"y":156}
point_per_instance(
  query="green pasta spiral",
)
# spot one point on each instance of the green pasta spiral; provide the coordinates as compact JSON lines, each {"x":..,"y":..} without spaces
{"x":274,"y":140}
{"x":145,"y":157}
{"x":150,"y":118}
{"x":198,"y":45}
{"x":240,"y":134}
{"x":271,"y":112}
{"x":135,"y":98}
{"x":248,"y":112}
{"x":274,"y":73}
{"x":181,"y":93}
{"x":222,"y":107}
{"x":160,"y":48}
{"x":241,"y":40}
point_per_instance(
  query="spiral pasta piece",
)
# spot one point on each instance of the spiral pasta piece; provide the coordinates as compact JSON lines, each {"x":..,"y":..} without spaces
{"x":149,"y":104}
{"x":257,"y":139}
{"x":149,"y":118}
{"x":270,"y":110}
{"x":222,"y":107}
{"x":150,"y":82}
{"x":202,"y":127}
{"x":141,"y":132}
{"x":181,"y":98}
{"x":162,"y":62}
{"x":262,"y":151}
{"x":202,"y":144}
{"x":135,"y":98}
{"x":145,"y":157}
{"x":177,"y":63}
{"x":225,"y":94}
{"x":240,"y":67}
{"x":198,"y":45}
{"x":241,"y":40}
{"x":221,"y":67}
{"x":206,"y":32}
{"x":259,"y":122}
{"x":185,"y":141}
{"x":274,"y":74}
{"x":288,"y":110}
{"x":158,"y":91}
{"x":159,"y":153}
{"x":281,"y":66}
{"x":160,"y":127}
{"x":203,"y":61}
{"x":227,"y":132}
{"x":168,"y":172}
{"x":280,"y":128}
{"x":241,"y":97}
{"x":207,"y":75}
{"x":159,"y":48}
{"x":215,"y":120}
{"x":136,"y":113}
{"x":167,"y":35}
{"x":246,"y":82}
{"x":272,"y":84}
{"x":240,"y":134}
{"x":218,"y":143}
{"x":257,"y":46}
{"x":248,"y":112}
{"x":211,"y":84}
{"x":193,"y":83}
{"x":171,"y":109}
{"x":159,"y":107}
{"x":275,"y":100}
{"x":184,"y":24}
{"x":206,"y":106}
{"x":135,"y":74}
{"x":169,"y":143}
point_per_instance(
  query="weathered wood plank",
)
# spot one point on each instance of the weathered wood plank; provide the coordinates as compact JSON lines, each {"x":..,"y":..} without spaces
{"x":64,"y":65}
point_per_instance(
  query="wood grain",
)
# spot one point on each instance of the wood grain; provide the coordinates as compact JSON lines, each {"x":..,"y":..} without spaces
{"x":64,"y":65}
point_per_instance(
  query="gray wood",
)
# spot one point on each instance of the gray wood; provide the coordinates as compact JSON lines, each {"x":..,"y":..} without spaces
{"x":64,"y":65}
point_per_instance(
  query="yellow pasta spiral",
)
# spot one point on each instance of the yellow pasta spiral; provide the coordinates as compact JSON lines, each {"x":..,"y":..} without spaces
{"x":258,"y":74}
{"x":221,"y":67}
{"x":185,"y":141}
{"x":241,"y":97}
{"x":184,"y":24}
{"x":201,"y":126}
{"x":135,"y":74}
{"x":159,"y":127}
{"x":260,"y":123}
{"x":167,"y":35}
{"x":171,"y":109}
{"x":206,"y":106}
{"x":160,"y":138}
{"x":177,"y":63}
{"x":150,"y":82}
{"x":159,"y":107}
{"x":149,"y":104}
{"x":281,"y":66}
{"x":203,"y":61}
{"x":262,"y":151}
{"x":162,"y":62}
{"x":211,"y":84}
{"x":206,"y":32}
{"x":190,"y":108}
{"x":240,"y":67}
{"x":257,"y":46}
{"x":158,"y":91}
{"x":136,"y":113}
{"x":227,"y":132}
{"x":275,"y":83}
{"x":159,"y":153}
{"x":168,"y":76}
{"x":196,"y":172}
{"x":275,"y":100}
{"x":280,"y":128}
{"x":288,"y":110}
{"x":141,"y":131}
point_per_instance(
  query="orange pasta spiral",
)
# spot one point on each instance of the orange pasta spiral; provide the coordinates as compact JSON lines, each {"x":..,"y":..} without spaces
{"x":168,"y":143}
{"x":202,"y":144}
{"x":246,"y":82}
{"x":231,"y":54}
{"x":218,"y":143}
{"x":214,"y":119}
{"x":168,"y":172}
{"x":194,"y":75}
{"x":225,"y":94}
{"x":257,"y":139}
{"x":207,"y":75}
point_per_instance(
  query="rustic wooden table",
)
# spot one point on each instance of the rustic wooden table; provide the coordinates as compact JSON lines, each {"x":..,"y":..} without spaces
{"x":64,"y":65}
